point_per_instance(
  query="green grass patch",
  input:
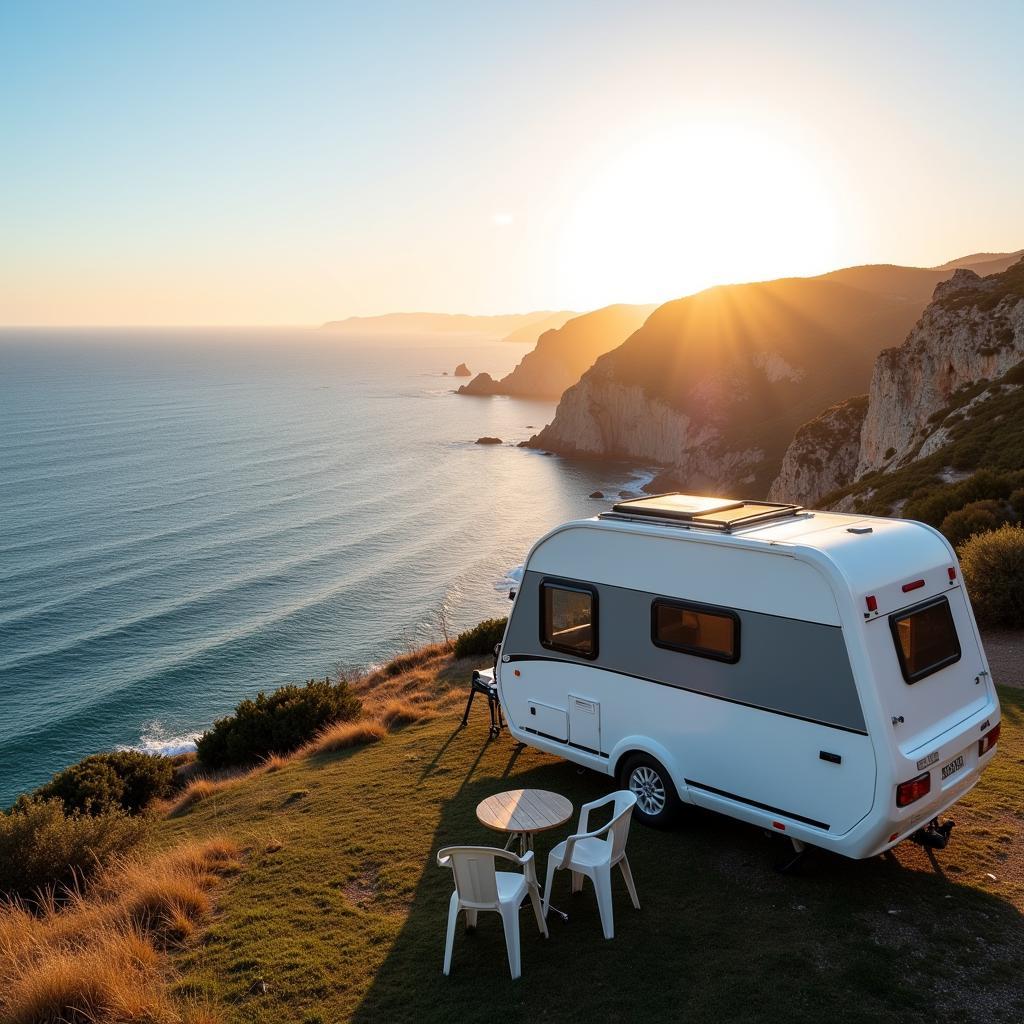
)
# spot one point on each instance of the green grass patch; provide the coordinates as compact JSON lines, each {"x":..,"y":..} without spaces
{"x":340,"y":912}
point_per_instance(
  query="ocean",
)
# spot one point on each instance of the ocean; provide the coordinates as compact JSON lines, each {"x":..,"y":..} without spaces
{"x":187,"y":517}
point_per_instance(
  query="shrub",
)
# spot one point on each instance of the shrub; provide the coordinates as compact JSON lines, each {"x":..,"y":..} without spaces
{"x":481,"y":639}
{"x":125,"y":779}
{"x":977,"y":517}
{"x":41,"y":845}
{"x":277,"y":723}
{"x":993,"y":569}
{"x":934,"y":505}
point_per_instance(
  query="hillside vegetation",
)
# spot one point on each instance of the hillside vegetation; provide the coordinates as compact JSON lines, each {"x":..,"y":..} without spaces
{"x":339,"y":913}
{"x":305,"y":889}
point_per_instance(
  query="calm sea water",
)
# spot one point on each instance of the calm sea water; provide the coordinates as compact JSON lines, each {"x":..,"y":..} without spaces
{"x":186,"y":518}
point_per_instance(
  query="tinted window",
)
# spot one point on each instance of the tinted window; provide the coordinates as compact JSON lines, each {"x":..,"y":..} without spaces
{"x":925,"y":639}
{"x":696,"y":629}
{"x":568,"y":619}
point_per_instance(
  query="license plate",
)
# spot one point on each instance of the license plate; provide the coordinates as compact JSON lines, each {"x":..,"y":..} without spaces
{"x":952,"y":767}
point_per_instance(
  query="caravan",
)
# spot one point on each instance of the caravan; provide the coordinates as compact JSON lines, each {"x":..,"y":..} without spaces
{"x":814,"y":673}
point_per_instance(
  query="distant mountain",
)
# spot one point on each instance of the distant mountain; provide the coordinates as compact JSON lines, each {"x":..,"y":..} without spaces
{"x":562,"y":355}
{"x":714,"y":386}
{"x":480,"y":327}
{"x":984,"y":263}
{"x":533,"y":330}
{"x":946,"y":403}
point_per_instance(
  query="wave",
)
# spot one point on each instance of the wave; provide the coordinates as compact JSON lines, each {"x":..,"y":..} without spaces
{"x":512,"y":578}
{"x":156,"y":738}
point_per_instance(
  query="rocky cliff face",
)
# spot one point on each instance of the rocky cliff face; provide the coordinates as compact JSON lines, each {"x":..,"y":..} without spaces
{"x":604,"y":418}
{"x":823,"y":455}
{"x":714,"y":386}
{"x":971,"y":332}
{"x":961,"y":338}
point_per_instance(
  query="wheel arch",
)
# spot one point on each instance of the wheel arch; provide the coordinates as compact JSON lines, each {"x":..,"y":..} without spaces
{"x":631,"y":745}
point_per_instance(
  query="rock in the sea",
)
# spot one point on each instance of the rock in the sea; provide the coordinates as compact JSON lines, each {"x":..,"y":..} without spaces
{"x":481,"y":384}
{"x":488,"y":440}
{"x":462,"y":370}
{"x":597,"y":494}
{"x":628,"y":494}
{"x":663,"y":483}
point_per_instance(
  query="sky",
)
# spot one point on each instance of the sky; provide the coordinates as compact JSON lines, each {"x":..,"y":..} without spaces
{"x":291,"y":162}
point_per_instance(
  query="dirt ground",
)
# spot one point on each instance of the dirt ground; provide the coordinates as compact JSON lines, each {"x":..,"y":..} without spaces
{"x":1005,"y":651}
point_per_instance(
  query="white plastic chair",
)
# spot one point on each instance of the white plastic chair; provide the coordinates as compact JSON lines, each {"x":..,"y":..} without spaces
{"x":479,"y":886}
{"x":594,"y":854}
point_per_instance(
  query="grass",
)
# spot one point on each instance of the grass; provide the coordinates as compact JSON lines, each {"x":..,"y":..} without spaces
{"x":342,"y":736}
{"x":340,"y":912}
{"x":100,"y":956}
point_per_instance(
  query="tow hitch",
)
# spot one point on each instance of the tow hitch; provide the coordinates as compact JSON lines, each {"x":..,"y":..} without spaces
{"x":933,"y":836}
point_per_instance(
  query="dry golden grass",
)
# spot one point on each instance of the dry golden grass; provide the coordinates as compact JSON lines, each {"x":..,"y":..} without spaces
{"x":343,"y":735}
{"x":201,"y":788}
{"x":400,"y":711}
{"x":273,"y":763}
{"x":95,"y":957}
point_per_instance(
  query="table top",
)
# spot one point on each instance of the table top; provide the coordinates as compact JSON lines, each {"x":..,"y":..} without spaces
{"x":524,"y":810}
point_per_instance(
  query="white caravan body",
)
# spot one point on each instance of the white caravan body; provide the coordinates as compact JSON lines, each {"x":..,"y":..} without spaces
{"x":815,"y":673}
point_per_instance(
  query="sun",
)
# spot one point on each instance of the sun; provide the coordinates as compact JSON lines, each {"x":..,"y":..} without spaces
{"x":712,"y":203}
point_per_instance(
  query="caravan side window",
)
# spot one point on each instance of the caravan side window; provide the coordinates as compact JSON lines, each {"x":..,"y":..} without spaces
{"x":568,"y":618}
{"x":700,"y":629}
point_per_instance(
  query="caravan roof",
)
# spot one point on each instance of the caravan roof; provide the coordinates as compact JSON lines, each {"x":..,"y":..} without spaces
{"x":865,"y":549}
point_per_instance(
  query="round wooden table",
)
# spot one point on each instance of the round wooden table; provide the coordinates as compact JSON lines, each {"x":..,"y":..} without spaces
{"x":522,"y":812}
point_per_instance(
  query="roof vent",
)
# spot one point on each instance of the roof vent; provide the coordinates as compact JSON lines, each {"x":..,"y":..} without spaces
{"x":691,"y":510}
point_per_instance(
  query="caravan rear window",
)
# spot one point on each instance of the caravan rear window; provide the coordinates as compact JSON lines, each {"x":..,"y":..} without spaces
{"x":925,"y":639}
{"x":699,"y":629}
{"x":568,"y":618}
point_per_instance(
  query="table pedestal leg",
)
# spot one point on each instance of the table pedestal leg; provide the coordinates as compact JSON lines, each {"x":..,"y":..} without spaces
{"x":526,"y":843}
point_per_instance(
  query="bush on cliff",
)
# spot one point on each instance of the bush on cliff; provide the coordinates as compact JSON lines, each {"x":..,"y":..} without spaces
{"x":41,"y":846}
{"x":934,"y":505}
{"x":975,"y":517}
{"x":277,"y":723}
{"x":122,"y":780}
{"x":993,"y":568}
{"x":480,"y":639}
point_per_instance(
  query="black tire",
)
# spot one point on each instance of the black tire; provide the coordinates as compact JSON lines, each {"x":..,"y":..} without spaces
{"x":647,"y":778}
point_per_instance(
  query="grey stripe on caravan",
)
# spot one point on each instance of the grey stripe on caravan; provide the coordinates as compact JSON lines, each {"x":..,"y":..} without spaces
{"x":801,"y":669}
{"x":513,"y":658}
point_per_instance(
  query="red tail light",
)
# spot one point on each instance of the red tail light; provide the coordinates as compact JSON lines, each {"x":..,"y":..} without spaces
{"x":909,"y":792}
{"x":872,"y":602}
{"x":952,"y":573}
{"x":988,"y":741}
{"x":916,"y":585}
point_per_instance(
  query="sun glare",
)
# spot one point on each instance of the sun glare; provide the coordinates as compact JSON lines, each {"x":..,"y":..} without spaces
{"x":712,"y":204}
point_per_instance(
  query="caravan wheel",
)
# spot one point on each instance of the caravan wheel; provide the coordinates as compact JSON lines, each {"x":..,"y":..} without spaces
{"x":657,"y":802}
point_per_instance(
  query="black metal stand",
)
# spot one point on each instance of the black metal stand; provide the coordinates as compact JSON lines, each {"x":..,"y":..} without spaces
{"x":489,"y":690}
